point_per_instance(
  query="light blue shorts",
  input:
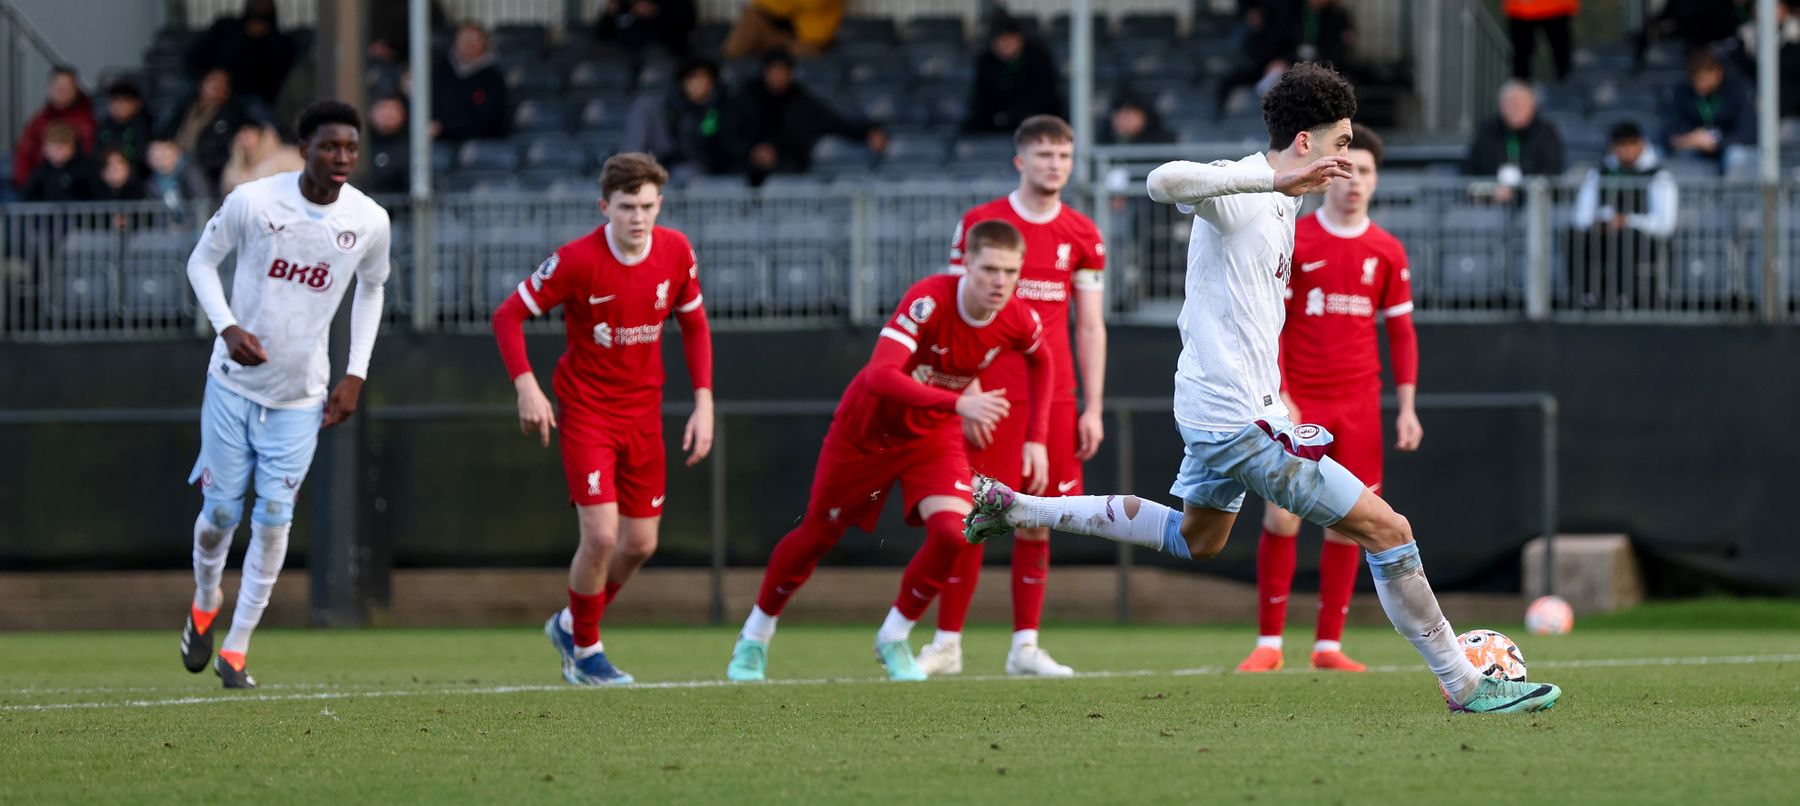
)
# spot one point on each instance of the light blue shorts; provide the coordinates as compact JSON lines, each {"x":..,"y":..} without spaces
{"x":238,"y":437}
{"x":1280,"y":461}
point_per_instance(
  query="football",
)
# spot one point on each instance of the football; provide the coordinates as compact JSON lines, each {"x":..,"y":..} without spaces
{"x":1495,"y":655}
{"x":1549,"y":615}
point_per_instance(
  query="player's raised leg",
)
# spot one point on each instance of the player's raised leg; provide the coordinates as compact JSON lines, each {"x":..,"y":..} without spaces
{"x":1275,"y":560}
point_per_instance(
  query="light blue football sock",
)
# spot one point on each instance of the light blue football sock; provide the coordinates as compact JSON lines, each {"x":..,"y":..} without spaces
{"x":1173,"y":542}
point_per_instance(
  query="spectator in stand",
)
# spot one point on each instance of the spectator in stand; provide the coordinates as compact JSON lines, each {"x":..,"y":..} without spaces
{"x":1555,"y":19}
{"x":206,"y":125}
{"x":1696,"y":23}
{"x":390,"y":31}
{"x":782,"y":122}
{"x":173,"y":179}
{"x":64,"y":103}
{"x":1787,"y":37}
{"x":118,"y":181}
{"x":1266,"y":44}
{"x":1323,"y":31}
{"x":1015,"y":78}
{"x":1624,"y":216}
{"x":641,"y":24}
{"x":251,"y":48}
{"x":468,"y":93}
{"x":1134,"y":122}
{"x":1712,"y":115}
{"x":387,"y":153}
{"x":257,"y":151}
{"x":59,"y":175}
{"x":799,"y":27}
{"x":1516,"y":144}
{"x":127,"y":126}
{"x":690,"y":130}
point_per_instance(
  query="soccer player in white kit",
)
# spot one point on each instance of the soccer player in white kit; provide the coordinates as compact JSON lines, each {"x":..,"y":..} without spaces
{"x":299,"y":238}
{"x":1228,"y":407}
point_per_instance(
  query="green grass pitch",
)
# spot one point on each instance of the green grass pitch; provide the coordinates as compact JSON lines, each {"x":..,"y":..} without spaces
{"x":1705,"y":711}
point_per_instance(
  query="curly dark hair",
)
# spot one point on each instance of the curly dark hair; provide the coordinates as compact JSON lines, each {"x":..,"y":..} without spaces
{"x":320,"y":113}
{"x":1308,"y":96}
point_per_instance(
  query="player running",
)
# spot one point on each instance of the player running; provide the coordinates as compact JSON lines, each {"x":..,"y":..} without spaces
{"x":1349,"y":269}
{"x":897,"y":422}
{"x":299,"y":237}
{"x":1063,"y":260}
{"x":1228,"y":405}
{"x":617,"y":285}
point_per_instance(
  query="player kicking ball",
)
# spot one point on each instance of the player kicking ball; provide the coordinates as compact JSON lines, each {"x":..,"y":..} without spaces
{"x":299,"y":238}
{"x":1063,"y":260}
{"x":1228,"y":408}
{"x":1348,"y":269}
{"x":617,"y":286}
{"x":897,"y":421}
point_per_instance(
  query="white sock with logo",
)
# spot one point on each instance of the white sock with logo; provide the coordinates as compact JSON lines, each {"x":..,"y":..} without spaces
{"x":262,"y":564}
{"x":1406,"y":596}
{"x":947,"y":639}
{"x":211,"y":546}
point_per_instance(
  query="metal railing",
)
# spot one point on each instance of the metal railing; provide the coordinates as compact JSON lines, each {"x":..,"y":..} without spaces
{"x":799,"y":255}
{"x":1461,"y":57}
{"x":26,"y":57}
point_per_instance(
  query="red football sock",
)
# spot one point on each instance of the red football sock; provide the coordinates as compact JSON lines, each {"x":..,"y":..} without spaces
{"x":612,"y":591}
{"x":1337,"y":579}
{"x":792,"y":563}
{"x":1030,"y":573}
{"x":934,"y":562}
{"x":959,"y":590}
{"x":585,"y":610}
{"x":1274,"y":581}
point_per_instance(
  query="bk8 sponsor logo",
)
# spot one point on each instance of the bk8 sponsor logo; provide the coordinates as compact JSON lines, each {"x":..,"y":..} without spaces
{"x":317,"y":278}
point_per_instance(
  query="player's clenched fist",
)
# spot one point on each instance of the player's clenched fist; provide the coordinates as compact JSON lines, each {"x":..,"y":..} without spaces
{"x":535,"y":411}
{"x":243,"y":346}
{"x":985,"y":408}
{"x":1312,"y":176}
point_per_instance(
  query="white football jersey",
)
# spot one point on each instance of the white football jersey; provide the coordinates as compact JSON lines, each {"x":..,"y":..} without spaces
{"x":295,"y":259}
{"x":1239,"y":255}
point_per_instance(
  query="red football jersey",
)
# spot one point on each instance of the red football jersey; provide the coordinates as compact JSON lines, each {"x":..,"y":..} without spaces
{"x":614,"y":310}
{"x":1341,"y":280}
{"x":948,"y":351}
{"x":1063,"y":252}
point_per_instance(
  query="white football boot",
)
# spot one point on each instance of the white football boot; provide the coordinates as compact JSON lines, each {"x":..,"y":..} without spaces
{"x":1028,"y":659}
{"x":938,"y":659}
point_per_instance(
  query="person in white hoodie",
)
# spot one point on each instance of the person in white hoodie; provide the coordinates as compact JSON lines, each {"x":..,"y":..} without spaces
{"x":1624,"y":217}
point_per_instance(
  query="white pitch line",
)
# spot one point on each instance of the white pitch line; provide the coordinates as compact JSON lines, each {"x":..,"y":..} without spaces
{"x":1592,"y":663}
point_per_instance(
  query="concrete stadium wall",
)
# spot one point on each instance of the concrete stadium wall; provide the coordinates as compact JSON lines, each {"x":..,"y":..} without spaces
{"x":1677,"y":436}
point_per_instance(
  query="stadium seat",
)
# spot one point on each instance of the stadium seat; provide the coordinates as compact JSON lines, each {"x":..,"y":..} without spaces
{"x":1157,"y":62}
{"x":1148,"y":25}
{"x":537,"y":116}
{"x":984,"y":149}
{"x":557,"y":152}
{"x":1060,"y":24}
{"x":514,"y":37}
{"x":443,"y":157}
{"x":867,"y":29}
{"x":732,"y":271}
{"x":1469,"y":276}
{"x":940,"y":30}
{"x":835,"y":156}
{"x":944,"y":103}
{"x":83,"y":280}
{"x":488,"y":155}
{"x":914,"y":149}
{"x":710,"y":36}
{"x":595,"y":76}
{"x":655,"y":75}
{"x":931,"y":62}
{"x":532,"y":81}
{"x":821,"y":74}
{"x":155,"y":294}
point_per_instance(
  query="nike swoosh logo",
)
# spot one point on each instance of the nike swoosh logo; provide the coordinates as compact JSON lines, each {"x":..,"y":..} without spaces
{"x":1277,"y":599}
{"x":1065,"y":486}
{"x":939,"y":350}
{"x":964,"y":487}
{"x":1313,"y":266}
{"x":657,"y":501}
{"x":598,"y":300}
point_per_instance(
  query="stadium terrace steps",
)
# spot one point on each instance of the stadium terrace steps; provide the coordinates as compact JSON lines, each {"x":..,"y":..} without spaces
{"x":134,"y":600}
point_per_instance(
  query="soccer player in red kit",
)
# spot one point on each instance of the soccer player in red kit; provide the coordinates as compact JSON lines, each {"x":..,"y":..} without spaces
{"x":1064,"y":256}
{"x":617,"y":285}
{"x":897,"y":421}
{"x":1347,"y":270}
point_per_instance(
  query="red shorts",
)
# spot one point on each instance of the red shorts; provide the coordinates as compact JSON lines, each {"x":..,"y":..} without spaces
{"x":615,"y":461}
{"x":1004,"y":457}
{"x":1354,"y":421}
{"x":852,"y":481}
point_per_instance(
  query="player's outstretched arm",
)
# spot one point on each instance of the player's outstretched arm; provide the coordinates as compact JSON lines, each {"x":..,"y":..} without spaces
{"x":1190,"y":183}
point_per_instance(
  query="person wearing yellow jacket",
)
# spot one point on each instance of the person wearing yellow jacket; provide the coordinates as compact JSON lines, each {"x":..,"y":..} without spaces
{"x":800,"y":27}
